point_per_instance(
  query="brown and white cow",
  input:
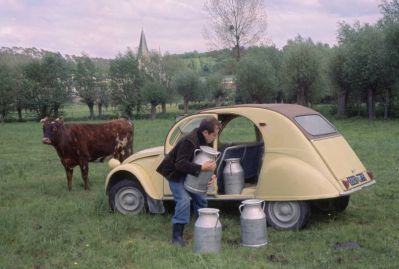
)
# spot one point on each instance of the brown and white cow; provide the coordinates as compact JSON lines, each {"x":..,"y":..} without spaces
{"x":79,"y":144}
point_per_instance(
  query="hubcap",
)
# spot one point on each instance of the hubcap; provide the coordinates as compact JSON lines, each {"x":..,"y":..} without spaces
{"x":129,"y":200}
{"x":284,"y":214}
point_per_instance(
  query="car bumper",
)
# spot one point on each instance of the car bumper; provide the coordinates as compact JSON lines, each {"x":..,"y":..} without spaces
{"x":368,"y":184}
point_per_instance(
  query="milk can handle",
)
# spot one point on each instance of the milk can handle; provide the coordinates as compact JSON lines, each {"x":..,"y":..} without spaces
{"x":218,"y":156}
{"x":263,"y":205}
{"x":243,"y":155}
{"x":196,"y":151}
{"x":217,"y":220}
{"x":239,"y":208}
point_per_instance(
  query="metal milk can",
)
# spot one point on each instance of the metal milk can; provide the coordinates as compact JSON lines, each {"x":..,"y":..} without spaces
{"x":233,"y":176}
{"x":253,"y":223}
{"x":199,"y":184}
{"x":207,"y":231}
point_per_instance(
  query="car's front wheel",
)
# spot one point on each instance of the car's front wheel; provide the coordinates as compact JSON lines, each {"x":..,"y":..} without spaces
{"x":287,"y":215}
{"x":127,"y":197}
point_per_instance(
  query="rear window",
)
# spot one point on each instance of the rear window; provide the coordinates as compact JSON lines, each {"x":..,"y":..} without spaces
{"x":315,"y":125}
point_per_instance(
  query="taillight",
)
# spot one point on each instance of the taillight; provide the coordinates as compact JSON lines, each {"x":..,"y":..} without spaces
{"x":346,"y":183}
{"x":370,"y":174}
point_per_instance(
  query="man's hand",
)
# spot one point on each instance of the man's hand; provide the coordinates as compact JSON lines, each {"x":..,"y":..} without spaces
{"x":208,"y":166}
{"x":212,"y":181}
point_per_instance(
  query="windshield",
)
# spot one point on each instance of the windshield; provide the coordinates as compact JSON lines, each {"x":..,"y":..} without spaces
{"x":315,"y":125}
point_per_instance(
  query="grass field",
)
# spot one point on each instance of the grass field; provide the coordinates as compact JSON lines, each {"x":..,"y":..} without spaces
{"x":44,"y":226}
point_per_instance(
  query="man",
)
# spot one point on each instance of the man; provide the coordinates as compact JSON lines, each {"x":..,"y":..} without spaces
{"x":178,"y":163}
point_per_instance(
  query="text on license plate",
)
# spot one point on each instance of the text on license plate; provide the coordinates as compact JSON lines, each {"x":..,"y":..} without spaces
{"x":354,"y":180}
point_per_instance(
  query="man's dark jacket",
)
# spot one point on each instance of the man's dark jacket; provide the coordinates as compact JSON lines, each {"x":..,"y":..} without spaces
{"x":179,"y":161}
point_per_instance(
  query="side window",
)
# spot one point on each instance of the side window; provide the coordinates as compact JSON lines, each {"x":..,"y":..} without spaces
{"x":185,"y":128}
{"x":191,"y":125}
{"x":176,"y":133}
{"x":238,"y":130}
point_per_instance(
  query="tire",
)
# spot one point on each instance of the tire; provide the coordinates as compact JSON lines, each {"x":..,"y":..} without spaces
{"x":287,"y":215}
{"x":127,"y":197}
{"x":337,"y":204}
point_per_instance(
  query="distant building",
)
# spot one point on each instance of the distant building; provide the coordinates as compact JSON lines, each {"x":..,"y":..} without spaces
{"x":150,"y":63}
{"x":143,"y":55}
{"x":229,"y":83}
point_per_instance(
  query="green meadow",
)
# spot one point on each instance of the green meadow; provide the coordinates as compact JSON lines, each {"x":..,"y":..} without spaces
{"x":42,"y":225}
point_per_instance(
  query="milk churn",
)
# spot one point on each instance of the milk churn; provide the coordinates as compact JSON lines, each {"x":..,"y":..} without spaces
{"x":207,"y":231}
{"x":199,"y":184}
{"x":253,"y":223}
{"x":233,"y":176}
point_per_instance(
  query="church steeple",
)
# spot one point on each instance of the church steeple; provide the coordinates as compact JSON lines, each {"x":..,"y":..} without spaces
{"x":143,"y":49}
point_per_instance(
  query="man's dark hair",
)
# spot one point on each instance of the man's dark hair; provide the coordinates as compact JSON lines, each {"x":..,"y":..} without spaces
{"x":209,"y":124}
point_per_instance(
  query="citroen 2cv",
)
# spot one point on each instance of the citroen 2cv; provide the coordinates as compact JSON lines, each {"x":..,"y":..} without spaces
{"x":292,"y":157}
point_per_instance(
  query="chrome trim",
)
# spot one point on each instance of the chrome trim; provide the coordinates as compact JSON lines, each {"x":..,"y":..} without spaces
{"x":358,"y":188}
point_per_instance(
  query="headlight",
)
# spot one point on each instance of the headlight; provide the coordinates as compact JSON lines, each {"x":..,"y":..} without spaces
{"x":113,"y":163}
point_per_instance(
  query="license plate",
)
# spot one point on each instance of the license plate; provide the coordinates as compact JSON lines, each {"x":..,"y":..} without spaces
{"x":354,"y":180}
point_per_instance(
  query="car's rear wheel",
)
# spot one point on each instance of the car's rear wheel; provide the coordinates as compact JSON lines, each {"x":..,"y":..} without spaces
{"x":127,"y":197}
{"x":287,"y":215}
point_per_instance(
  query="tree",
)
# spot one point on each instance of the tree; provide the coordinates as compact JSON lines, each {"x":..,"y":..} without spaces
{"x":39,"y":100}
{"x":154,"y":93}
{"x":6,"y":91}
{"x":390,"y":10}
{"x":15,"y":59}
{"x":224,"y":63}
{"x":340,"y":78}
{"x":300,"y":70}
{"x":161,"y":69}
{"x":390,"y":28}
{"x":57,"y":80}
{"x":170,"y":65}
{"x":235,"y":23}
{"x":20,"y":92}
{"x":366,"y":61}
{"x":216,"y":88}
{"x":85,"y":82}
{"x":127,"y":80}
{"x":323,"y":85}
{"x":48,"y":82}
{"x":103,"y":94}
{"x":186,"y":83}
{"x":256,"y":78}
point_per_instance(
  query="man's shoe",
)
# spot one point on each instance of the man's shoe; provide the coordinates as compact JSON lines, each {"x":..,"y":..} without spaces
{"x":177,"y":236}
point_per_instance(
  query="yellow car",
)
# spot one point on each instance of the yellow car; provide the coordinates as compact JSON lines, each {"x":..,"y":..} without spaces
{"x":292,"y":157}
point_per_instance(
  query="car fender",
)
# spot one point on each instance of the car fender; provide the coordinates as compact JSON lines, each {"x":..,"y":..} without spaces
{"x":133,"y":171}
{"x":289,"y":178}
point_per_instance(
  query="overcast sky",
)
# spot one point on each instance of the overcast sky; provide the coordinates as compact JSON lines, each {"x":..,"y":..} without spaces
{"x":102,"y":28}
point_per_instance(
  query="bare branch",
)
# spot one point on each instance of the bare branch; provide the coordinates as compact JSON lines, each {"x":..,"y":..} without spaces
{"x":235,"y":23}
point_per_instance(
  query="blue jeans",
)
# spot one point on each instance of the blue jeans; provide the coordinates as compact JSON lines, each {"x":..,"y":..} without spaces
{"x":182,"y":200}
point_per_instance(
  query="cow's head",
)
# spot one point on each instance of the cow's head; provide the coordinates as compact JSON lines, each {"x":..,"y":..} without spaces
{"x":51,"y":128}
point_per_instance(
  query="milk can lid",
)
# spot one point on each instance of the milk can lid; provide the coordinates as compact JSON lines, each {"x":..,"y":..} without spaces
{"x":232,"y":160}
{"x":209,"y":150}
{"x":252,"y":202}
{"x":208,"y":210}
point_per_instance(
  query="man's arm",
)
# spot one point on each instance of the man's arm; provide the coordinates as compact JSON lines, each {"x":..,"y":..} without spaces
{"x":184,"y":154}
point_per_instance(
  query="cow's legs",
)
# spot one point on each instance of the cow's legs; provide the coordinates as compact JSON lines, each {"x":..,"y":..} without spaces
{"x":84,"y":169}
{"x":69,"y":173}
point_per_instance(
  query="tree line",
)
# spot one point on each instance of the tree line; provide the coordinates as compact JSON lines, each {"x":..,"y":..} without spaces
{"x":358,"y":76}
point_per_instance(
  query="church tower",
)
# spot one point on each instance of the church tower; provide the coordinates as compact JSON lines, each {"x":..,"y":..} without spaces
{"x":143,"y":55}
